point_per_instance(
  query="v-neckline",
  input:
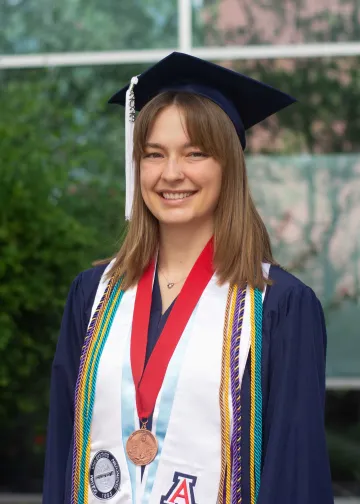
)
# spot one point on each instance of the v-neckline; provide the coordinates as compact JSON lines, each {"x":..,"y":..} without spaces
{"x":158,"y":298}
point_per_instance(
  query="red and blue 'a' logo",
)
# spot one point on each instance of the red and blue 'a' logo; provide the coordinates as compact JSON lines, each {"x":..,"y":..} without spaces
{"x":181,"y":491}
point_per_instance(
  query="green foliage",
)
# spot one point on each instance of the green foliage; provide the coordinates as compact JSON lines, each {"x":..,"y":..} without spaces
{"x":42,"y":248}
{"x":60,"y":208}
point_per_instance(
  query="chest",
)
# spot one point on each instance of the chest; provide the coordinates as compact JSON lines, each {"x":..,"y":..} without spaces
{"x":168,"y":293}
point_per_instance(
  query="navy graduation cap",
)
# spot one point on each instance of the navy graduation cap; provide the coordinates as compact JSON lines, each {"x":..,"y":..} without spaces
{"x":245,"y":100}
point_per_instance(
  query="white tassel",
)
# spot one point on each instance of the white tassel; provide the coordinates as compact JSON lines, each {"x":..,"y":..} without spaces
{"x":129,"y":147}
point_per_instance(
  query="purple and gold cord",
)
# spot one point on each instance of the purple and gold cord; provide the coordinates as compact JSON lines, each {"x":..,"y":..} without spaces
{"x":230,"y":488}
{"x":84,"y":354}
{"x":236,"y":396}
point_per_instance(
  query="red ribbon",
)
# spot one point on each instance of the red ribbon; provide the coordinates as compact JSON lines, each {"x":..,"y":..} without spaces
{"x":148,"y":381}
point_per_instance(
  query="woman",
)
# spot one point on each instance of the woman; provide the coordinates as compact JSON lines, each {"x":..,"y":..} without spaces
{"x":190,"y":368}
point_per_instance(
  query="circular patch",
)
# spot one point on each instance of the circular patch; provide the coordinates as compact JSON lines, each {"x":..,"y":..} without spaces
{"x":105,"y":475}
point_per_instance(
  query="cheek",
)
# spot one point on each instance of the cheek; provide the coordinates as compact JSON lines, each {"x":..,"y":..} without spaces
{"x":147,"y":178}
{"x":144,"y":184}
{"x":218,"y":177}
{"x":211,"y":179}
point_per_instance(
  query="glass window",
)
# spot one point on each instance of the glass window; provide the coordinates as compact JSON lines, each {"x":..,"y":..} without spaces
{"x":311,"y":206}
{"x":37,"y":26}
{"x":230,"y":22}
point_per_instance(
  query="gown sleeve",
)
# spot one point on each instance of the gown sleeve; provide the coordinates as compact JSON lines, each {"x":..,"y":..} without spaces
{"x":295,"y":465}
{"x":63,"y":379}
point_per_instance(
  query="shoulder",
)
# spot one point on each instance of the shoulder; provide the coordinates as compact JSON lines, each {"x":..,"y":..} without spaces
{"x":85,"y":284}
{"x":293,"y":314}
{"x":287,"y":291}
{"x":76,"y":314}
{"x":283,"y":280}
{"x":90,"y":278}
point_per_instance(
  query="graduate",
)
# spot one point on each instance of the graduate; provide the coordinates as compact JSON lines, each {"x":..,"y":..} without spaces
{"x":190,"y":367}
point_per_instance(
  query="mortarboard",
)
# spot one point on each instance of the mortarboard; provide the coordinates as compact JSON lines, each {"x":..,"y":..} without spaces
{"x":246,"y":101}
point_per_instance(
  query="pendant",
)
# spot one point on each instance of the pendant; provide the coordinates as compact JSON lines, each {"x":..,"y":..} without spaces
{"x":142,"y":447}
{"x":170,"y":285}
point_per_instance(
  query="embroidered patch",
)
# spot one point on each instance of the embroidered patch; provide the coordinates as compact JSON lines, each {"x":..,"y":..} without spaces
{"x":181,"y":491}
{"x":105,"y":475}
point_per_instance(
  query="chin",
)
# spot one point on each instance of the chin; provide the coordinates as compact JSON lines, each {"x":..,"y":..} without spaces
{"x":173,"y":218}
{"x":175,"y":222}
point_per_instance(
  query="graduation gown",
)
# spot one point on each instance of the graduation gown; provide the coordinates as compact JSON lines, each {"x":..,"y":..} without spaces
{"x":295,"y":465}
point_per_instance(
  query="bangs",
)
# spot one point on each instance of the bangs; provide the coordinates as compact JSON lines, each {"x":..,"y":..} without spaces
{"x":206,"y":124}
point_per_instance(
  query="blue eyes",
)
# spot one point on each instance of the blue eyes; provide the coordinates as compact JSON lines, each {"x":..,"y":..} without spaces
{"x":156,"y":155}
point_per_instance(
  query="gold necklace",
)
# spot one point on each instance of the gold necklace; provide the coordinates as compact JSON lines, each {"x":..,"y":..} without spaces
{"x":170,"y":285}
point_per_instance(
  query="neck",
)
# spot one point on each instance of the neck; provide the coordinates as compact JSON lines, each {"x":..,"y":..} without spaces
{"x":181,"y":246}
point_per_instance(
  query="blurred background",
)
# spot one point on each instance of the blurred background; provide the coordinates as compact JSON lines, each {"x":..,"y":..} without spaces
{"x":62,"y":178}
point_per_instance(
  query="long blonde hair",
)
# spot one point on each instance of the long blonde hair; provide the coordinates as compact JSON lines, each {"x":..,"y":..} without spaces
{"x":241,"y":241}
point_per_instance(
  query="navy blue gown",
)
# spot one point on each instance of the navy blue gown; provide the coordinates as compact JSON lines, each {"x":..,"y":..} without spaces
{"x":295,"y":467}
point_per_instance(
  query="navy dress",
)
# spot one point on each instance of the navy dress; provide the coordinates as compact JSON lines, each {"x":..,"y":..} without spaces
{"x":295,"y":460}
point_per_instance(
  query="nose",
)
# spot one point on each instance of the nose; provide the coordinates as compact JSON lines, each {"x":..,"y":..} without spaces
{"x":172,"y":171}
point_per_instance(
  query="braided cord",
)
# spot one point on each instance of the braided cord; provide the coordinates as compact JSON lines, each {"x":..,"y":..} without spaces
{"x":221,"y":400}
{"x":253,"y":398}
{"x":85,"y":390}
{"x":236,"y":397}
{"x":88,"y":367}
{"x":226,"y":398}
{"x":235,"y":342}
{"x":86,"y":351}
{"x":256,"y":395}
{"x":90,"y":375}
{"x":258,"y":389}
{"x":89,"y":398}
{"x":92,"y":399}
{"x":85,"y":394}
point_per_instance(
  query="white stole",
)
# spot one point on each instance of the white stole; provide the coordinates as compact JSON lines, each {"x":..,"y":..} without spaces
{"x":186,"y":418}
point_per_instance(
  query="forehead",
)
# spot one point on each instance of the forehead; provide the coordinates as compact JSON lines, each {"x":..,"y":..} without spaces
{"x":169,"y":124}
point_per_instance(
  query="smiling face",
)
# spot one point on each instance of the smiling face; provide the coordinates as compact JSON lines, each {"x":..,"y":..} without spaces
{"x":215,"y":177}
{"x":180,"y":184}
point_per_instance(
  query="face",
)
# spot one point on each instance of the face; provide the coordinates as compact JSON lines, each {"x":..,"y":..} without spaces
{"x":180,"y":184}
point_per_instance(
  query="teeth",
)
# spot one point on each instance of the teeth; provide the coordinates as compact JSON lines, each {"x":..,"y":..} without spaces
{"x":175,"y":196}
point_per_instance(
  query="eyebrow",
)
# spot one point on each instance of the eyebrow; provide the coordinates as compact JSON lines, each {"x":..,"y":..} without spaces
{"x":160,"y":146}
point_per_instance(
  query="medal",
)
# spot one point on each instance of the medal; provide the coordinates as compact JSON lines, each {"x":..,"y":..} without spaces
{"x":142,"y":445}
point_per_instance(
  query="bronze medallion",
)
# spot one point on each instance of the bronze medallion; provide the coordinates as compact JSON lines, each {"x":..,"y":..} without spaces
{"x":142,"y":447}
